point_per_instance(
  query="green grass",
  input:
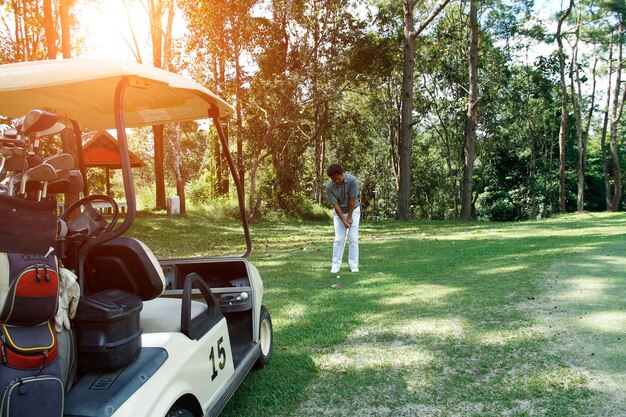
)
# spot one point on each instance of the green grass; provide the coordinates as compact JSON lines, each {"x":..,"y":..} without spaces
{"x":444,"y":319}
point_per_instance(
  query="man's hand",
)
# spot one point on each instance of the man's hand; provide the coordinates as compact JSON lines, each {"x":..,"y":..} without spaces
{"x":350,"y":220}
{"x":347,"y":223}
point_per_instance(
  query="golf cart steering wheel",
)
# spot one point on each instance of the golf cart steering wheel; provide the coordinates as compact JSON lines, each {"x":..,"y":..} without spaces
{"x":93,"y":216}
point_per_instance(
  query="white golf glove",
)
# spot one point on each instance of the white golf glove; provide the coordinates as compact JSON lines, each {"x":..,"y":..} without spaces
{"x":69,"y":295}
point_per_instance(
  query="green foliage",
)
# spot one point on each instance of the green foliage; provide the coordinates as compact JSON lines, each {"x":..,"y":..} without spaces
{"x":496,"y":205}
{"x":225,"y":207}
{"x":319,"y":82}
{"x":145,"y":195}
{"x":201,"y":190}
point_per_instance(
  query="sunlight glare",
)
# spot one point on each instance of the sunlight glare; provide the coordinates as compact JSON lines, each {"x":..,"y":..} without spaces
{"x":107,"y":33}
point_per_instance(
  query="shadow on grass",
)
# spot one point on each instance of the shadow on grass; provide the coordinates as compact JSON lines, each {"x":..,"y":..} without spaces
{"x":465,"y":295}
{"x":490,"y":357}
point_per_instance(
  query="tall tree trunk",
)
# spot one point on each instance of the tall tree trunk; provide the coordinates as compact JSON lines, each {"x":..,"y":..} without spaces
{"x":64,"y":12}
{"x":178,"y":169}
{"x":320,"y":115}
{"x":167,"y":37}
{"x":617,"y":172}
{"x":532,"y":174}
{"x":159,"y":171}
{"x":405,"y":146}
{"x":547,"y":162}
{"x":217,"y":163}
{"x":176,"y":147}
{"x":240,"y":165}
{"x":49,"y":29}
{"x":318,"y":156}
{"x":254,"y":201}
{"x":605,"y":165}
{"x":574,"y":78}
{"x":472,"y":117}
{"x":563,"y":128}
{"x":225,"y":176}
{"x":223,"y":185}
{"x":392,"y":129}
{"x":155,"y":12}
{"x":216,"y":145}
{"x":592,"y":103}
{"x":19,"y":36}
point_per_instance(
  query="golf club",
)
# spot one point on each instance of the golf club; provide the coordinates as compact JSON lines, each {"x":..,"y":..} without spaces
{"x":43,"y":172}
{"x":345,"y":240}
{"x":60,"y":161}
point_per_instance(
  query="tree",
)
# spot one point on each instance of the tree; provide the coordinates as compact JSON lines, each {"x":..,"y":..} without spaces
{"x":615,"y":115}
{"x":405,"y":146}
{"x":64,"y":13}
{"x":156,"y":9}
{"x":562,"y":132}
{"x":472,"y":116}
{"x":50,"y":30}
{"x":575,"y":88}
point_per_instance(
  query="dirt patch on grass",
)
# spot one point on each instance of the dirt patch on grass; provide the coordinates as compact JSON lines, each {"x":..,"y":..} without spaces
{"x":582,"y":317}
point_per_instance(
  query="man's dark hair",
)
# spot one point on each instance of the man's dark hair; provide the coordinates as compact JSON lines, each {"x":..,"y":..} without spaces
{"x":334,"y":169}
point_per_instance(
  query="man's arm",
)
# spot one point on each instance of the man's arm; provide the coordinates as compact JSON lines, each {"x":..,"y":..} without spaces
{"x":339,"y":212}
{"x":351,"y":204}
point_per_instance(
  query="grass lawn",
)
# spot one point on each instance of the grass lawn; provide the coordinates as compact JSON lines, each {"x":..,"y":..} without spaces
{"x":444,"y":319}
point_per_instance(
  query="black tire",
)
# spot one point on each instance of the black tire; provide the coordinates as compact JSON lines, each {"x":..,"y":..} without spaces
{"x":177,"y":411}
{"x":266,"y":339}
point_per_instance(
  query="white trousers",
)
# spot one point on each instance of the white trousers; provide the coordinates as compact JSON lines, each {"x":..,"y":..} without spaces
{"x":353,"y":240}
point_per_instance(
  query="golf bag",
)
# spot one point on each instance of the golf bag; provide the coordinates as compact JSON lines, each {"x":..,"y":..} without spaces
{"x":27,"y":226}
{"x":29,"y":277}
{"x":30,"y":376}
{"x":29,"y":288}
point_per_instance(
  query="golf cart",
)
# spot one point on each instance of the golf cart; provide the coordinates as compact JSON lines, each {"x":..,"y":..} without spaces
{"x":168,"y":337}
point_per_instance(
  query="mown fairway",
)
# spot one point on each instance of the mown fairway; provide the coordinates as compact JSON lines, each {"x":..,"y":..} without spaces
{"x":445,"y":318}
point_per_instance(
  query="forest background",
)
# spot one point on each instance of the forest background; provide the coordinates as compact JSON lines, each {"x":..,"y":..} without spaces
{"x":499,"y":110}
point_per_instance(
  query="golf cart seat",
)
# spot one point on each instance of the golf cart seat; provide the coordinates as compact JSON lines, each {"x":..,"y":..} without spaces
{"x":164,"y":314}
{"x":126,"y":264}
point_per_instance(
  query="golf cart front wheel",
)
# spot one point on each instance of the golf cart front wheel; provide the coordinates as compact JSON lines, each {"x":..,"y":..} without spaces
{"x":266,"y":339}
{"x":177,"y":411}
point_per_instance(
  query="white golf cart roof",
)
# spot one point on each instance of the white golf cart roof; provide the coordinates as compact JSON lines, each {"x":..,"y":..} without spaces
{"x":84,"y":90}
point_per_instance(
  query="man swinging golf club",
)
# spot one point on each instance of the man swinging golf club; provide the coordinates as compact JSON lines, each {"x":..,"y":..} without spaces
{"x":342,"y":191}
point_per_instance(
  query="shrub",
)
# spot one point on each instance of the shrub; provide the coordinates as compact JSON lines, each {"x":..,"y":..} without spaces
{"x":495,"y":205}
{"x":201,"y":190}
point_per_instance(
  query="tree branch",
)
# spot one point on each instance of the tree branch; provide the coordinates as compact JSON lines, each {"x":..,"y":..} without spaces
{"x":424,"y":25}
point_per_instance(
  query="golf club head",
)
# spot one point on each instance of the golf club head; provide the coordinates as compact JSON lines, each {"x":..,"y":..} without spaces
{"x":10,"y":134}
{"x":9,"y":149}
{"x":58,"y":186}
{"x":13,"y":163}
{"x":62,"y":174}
{"x":36,"y":121}
{"x":73,"y":184}
{"x":42,"y":172}
{"x":60,"y":161}
{"x":55,"y":129}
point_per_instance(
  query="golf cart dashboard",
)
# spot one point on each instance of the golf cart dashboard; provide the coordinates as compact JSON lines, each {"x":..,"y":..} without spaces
{"x":227,"y":277}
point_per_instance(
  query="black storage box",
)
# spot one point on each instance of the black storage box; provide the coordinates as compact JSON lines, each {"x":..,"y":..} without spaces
{"x":108,"y":330}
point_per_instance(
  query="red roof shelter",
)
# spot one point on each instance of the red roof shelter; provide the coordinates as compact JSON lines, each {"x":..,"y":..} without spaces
{"x":100,"y":150}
